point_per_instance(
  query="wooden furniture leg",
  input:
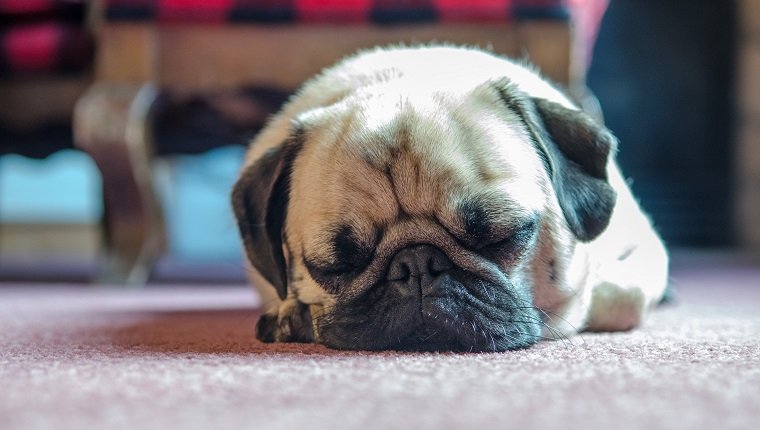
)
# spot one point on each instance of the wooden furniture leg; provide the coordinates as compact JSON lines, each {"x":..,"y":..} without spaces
{"x":111,"y":124}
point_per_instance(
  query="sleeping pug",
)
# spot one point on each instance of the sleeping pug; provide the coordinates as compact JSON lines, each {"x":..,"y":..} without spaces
{"x":441,"y":198}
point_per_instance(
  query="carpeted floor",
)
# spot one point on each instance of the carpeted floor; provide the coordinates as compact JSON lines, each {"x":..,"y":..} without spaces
{"x":177,"y":357}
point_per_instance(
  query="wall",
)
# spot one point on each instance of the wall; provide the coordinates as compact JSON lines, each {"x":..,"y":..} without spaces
{"x":664,"y":74}
{"x":748,"y":142}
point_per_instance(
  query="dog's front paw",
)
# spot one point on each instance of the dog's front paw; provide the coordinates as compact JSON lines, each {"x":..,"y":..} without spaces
{"x":616,"y":308}
{"x":291,"y":322}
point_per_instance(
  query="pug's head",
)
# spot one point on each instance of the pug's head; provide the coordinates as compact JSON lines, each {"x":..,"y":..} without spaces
{"x":415,"y":222}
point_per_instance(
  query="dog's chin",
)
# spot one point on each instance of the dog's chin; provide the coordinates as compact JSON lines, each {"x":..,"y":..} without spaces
{"x":464,"y":313}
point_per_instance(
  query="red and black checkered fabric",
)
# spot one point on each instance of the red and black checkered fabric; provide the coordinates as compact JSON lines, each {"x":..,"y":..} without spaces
{"x":586,"y":14}
{"x":43,"y":37}
{"x":336,"y":11}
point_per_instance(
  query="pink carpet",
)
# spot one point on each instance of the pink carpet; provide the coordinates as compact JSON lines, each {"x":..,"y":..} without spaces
{"x":177,"y":357}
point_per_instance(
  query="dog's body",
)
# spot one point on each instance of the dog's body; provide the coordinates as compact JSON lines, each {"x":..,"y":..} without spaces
{"x":441,"y":198}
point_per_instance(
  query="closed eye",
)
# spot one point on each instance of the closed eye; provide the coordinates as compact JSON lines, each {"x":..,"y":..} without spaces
{"x":516,"y":238}
{"x":341,"y":268}
{"x":351,"y":252}
{"x":331,"y":276}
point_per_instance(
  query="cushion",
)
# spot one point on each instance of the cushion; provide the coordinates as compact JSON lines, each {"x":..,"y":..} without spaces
{"x":43,"y":37}
{"x":335,"y":11}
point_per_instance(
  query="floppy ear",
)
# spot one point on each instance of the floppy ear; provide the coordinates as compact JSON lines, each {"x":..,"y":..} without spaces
{"x":576,"y":149}
{"x":260,"y":202}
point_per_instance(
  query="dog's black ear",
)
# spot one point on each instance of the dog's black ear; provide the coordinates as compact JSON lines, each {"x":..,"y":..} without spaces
{"x":576,"y":150}
{"x":260,"y":202}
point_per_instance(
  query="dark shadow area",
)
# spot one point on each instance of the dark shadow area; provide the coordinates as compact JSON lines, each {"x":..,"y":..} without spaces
{"x":38,"y":143}
{"x":195,"y":123}
{"x":664,"y":74}
{"x":197,"y":331}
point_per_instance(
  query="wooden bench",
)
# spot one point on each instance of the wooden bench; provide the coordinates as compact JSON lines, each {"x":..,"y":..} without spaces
{"x":147,"y":45}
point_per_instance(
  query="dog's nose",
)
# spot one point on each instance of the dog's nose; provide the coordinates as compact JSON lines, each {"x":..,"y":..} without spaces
{"x":416,"y":268}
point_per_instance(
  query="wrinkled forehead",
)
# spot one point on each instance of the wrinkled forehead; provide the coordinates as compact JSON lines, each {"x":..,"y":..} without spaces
{"x":473,"y":138}
{"x":428,"y":157}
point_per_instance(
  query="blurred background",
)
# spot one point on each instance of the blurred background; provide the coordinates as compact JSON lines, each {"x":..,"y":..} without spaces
{"x":123,"y":123}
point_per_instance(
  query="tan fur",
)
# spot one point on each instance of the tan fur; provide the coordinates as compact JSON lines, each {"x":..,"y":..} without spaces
{"x":414,"y":131}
